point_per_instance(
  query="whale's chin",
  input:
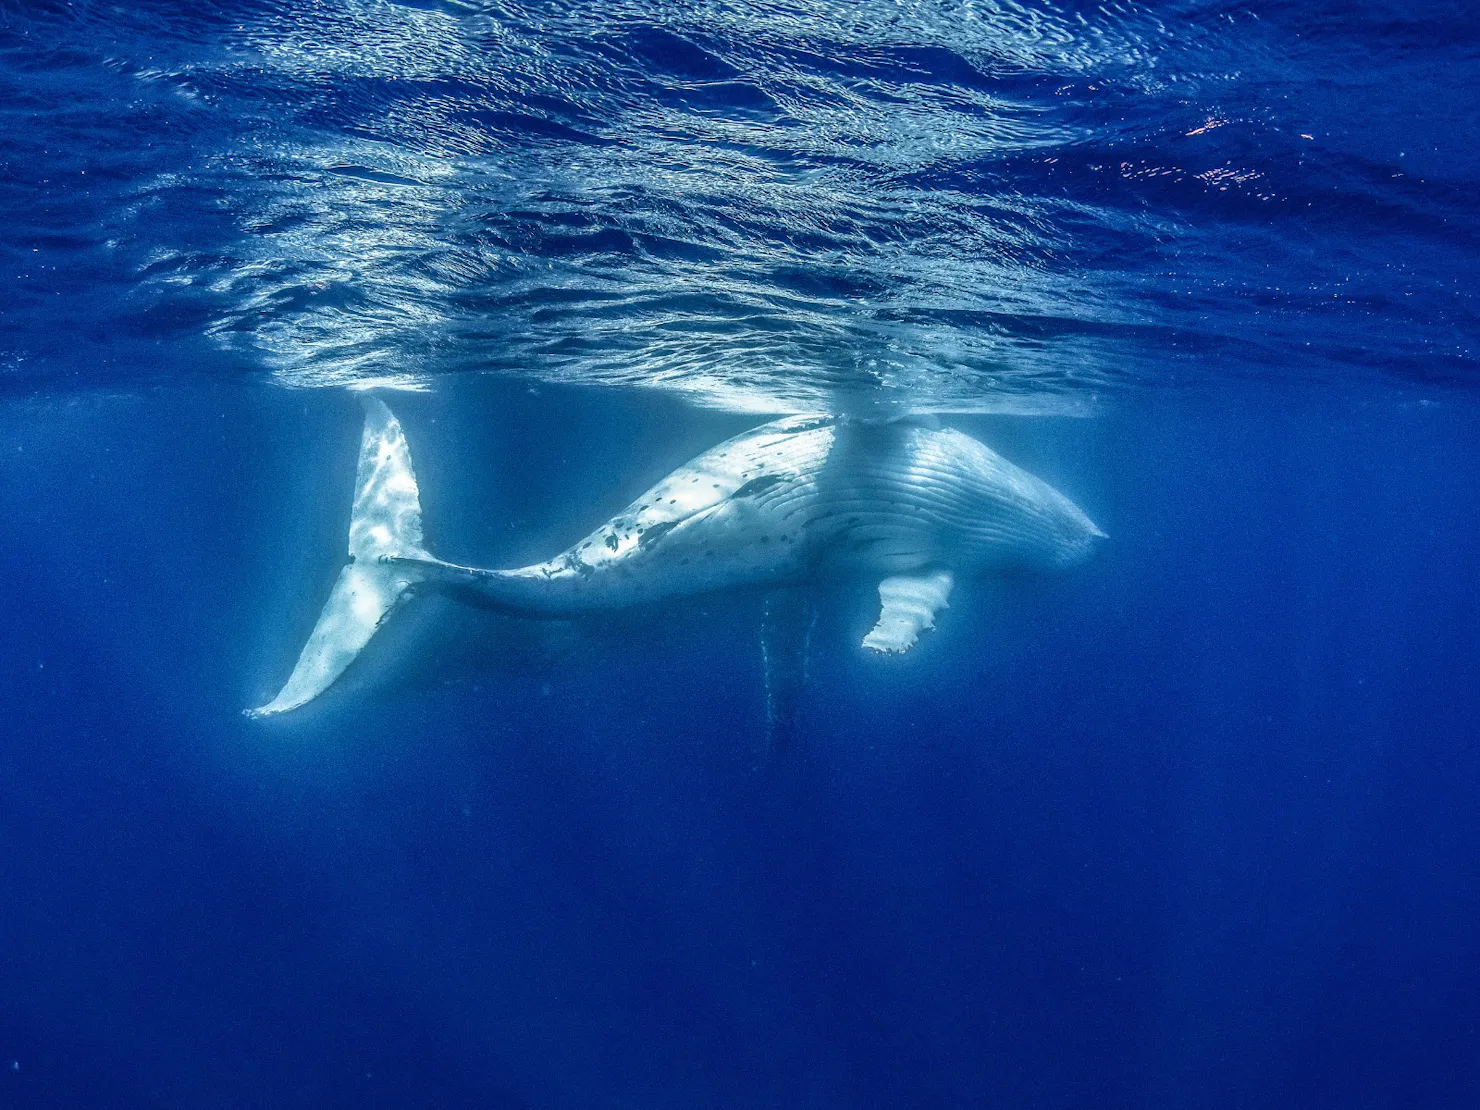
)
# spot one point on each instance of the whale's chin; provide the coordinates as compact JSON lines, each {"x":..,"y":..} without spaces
{"x":1083,"y":549}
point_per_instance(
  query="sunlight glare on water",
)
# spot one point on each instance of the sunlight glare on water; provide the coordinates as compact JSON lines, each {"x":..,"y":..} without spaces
{"x":977,"y":207}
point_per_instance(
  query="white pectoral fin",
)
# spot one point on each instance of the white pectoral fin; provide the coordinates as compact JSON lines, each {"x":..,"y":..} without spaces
{"x":910,"y":602}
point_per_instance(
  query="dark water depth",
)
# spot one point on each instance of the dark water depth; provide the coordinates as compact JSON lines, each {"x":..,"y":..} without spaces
{"x":1194,"y":825}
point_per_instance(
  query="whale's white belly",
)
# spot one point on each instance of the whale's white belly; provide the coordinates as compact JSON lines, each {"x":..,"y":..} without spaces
{"x":798,"y":498}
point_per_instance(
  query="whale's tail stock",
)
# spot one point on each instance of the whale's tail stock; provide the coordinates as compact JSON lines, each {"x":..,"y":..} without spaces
{"x":384,"y":545}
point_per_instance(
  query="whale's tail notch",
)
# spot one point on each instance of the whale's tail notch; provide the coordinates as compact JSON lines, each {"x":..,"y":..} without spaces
{"x":384,"y":547}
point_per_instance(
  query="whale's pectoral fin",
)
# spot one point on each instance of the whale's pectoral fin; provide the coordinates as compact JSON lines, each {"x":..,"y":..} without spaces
{"x":910,"y":602}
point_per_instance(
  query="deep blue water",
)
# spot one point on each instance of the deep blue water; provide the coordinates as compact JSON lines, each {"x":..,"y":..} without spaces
{"x":1197,"y":824}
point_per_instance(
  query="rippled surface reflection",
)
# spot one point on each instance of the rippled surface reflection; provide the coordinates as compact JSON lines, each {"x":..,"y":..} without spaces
{"x":773,"y":206}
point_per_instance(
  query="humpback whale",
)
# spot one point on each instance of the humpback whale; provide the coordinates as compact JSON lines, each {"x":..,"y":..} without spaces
{"x":908,"y":503}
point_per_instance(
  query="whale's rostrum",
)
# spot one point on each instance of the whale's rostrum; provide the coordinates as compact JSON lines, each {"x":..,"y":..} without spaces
{"x":908,"y":503}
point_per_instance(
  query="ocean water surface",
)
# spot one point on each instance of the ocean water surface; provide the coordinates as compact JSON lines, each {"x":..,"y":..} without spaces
{"x":1192,"y":825}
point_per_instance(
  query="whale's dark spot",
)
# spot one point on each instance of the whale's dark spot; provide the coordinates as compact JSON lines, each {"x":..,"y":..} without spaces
{"x":611,"y":541}
{"x":573,"y":562}
{"x":656,"y":533}
{"x":758,"y":485}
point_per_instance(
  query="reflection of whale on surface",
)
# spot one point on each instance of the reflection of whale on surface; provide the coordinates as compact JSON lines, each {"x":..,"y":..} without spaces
{"x":807,"y":496}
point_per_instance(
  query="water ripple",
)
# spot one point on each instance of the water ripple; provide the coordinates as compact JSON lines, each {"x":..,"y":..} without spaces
{"x":774,"y":206}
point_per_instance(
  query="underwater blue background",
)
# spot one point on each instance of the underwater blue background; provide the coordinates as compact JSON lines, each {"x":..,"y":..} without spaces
{"x":1194,"y":825}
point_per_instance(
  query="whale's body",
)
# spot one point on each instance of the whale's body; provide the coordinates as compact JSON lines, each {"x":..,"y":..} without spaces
{"x":907,"y":503}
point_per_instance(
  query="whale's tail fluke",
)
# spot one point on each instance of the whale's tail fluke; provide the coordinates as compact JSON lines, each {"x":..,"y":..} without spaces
{"x":384,"y":532}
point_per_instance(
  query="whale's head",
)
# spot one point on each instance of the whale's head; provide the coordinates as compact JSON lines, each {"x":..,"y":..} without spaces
{"x":1013,"y":518}
{"x":1078,"y":539}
